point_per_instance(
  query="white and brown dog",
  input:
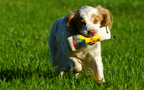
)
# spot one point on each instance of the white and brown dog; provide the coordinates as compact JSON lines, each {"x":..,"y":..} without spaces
{"x":87,"y":21}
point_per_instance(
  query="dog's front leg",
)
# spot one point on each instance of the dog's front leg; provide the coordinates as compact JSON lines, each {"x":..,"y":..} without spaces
{"x":78,"y":65}
{"x":98,"y":70}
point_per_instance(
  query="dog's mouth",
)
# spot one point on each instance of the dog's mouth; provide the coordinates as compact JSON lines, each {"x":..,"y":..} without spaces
{"x":89,"y":33}
{"x":92,"y":33}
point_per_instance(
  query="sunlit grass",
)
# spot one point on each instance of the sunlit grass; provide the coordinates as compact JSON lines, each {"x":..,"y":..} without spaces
{"x":24,"y":52}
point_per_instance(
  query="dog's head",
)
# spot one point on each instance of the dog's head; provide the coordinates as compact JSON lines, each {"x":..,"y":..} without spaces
{"x":87,"y":20}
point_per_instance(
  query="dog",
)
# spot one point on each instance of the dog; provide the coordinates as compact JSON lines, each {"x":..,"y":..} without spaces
{"x":87,"y":21}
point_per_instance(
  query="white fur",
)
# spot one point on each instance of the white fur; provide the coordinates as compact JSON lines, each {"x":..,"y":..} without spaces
{"x":86,"y":13}
{"x":61,"y":56}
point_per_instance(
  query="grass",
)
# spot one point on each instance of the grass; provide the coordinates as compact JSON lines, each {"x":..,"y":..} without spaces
{"x":24,"y":55}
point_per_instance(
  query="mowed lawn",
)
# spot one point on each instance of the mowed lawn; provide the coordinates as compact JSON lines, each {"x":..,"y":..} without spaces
{"x":24,"y":54}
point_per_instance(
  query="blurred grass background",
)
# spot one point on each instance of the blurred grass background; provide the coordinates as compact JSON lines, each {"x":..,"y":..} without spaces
{"x":24,"y":55}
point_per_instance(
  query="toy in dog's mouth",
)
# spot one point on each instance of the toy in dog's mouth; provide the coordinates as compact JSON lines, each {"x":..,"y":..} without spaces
{"x":79,"y":41}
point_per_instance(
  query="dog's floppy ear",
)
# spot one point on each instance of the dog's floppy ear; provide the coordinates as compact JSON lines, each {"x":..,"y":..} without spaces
{"x":105,"y":16}
{"x":71,"y":20}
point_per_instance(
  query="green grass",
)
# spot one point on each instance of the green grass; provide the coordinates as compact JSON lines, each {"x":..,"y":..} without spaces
{"x":24,"y":53}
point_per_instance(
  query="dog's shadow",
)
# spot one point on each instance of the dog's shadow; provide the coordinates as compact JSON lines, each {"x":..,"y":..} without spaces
{"x":8,"y":75}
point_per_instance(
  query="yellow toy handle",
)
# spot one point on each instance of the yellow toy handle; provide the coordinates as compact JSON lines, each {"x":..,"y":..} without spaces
{"x":90,"y":40}
{"x":79,"y":41}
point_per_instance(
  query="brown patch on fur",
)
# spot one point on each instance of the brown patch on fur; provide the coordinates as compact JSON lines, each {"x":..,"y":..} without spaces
{"x":75,"y":22}
{"x":82,"y":22}
{"x":96,"y":18}
{"x":105,"y":16}
{"x":70,"y":17}
{"x":70,"y":20}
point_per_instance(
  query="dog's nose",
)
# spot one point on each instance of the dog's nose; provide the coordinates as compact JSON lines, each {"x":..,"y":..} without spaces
{"x":92,"y":32}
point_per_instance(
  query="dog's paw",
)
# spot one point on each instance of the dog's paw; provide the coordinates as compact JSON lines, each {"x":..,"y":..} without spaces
{"x":100,"y":83}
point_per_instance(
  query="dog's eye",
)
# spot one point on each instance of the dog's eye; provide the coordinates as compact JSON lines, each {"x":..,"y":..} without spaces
{"x":95,"y":21}
{"x":83,"y":24}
